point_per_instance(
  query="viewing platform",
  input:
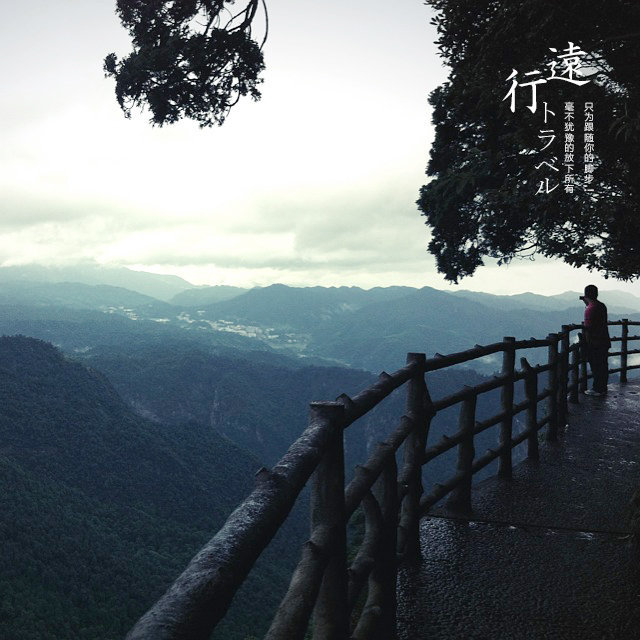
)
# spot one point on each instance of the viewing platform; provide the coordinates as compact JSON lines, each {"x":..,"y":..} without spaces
{"x":545,"y":554}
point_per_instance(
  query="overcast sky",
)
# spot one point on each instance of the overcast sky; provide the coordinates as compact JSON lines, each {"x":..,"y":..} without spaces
{"x":313,"y":185}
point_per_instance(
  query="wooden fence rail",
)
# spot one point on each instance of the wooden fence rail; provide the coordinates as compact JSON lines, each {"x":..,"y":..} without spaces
{"x":324,"y":590}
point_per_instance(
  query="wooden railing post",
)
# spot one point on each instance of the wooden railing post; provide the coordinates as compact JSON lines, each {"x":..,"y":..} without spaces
{"x":506,"y":400}
{"x":378,"y":619}
{"x":420,"y":410}
{"x":531,"y":391}
{"x":584,"y":382}
{"x":574,"y":396}
{"x":624,"y":348}
{"x":460,"y":497}
{"x":331,"y":613}
{"x":552,"y":430}
{"x":563,"y":382}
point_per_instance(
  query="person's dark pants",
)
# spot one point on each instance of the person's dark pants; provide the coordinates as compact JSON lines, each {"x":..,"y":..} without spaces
{"x":598,"y":361}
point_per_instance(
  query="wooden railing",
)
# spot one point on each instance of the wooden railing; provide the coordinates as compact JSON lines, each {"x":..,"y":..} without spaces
{"x":388,"y":488}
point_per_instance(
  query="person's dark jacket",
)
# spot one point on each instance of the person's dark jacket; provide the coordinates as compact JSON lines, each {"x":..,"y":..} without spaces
{"x":595,"y":324}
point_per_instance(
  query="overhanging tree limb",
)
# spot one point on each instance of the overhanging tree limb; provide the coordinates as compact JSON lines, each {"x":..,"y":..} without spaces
{"x":183,"y":63}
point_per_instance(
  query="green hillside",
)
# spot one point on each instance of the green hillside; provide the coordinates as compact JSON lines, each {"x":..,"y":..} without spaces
{"x":100,"y":509}
{"x":79,"y":296}
{"x":260,"y":401}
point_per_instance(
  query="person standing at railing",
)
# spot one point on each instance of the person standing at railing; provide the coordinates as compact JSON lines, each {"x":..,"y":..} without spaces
{"x":598,"y":342}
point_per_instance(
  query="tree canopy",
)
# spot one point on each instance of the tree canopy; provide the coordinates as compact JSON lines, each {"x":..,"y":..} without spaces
{"x":498,"y":189}
{"x":191,"y":58}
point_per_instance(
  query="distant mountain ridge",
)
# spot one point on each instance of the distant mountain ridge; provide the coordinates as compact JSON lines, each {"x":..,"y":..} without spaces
{"x":299,"y":307}
{"x":347,"y":326}
{"x":617,"y":301}
{"x":205,"y":295}
{"x":160,"y":286}
{"x":101,"y":297}
{"x":180,"y":292}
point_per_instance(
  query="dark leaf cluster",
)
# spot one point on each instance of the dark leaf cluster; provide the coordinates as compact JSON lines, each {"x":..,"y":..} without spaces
{"x":482,"y":200}
{"x":191,"y":59}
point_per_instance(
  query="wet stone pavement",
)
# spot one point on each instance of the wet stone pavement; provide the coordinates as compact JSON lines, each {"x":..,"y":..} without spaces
{"x":545,"y":555}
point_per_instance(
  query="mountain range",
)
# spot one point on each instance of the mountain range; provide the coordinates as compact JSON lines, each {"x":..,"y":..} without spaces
{"x":162,"y":287}
{"x":347,"y":326}
{"x":125,"y":446}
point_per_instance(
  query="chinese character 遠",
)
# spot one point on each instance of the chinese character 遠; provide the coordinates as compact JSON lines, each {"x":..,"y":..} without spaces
{"x":571,"y":61}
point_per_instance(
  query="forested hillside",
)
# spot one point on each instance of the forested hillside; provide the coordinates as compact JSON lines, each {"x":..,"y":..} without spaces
{"x":101,"y":509}
{"x":260,"y":400}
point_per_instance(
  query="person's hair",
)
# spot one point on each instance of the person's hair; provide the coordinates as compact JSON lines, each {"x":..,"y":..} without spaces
{"x":591,"y":291}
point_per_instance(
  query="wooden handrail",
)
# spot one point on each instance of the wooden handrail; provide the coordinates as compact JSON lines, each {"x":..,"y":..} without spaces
{"x":392,"y":499}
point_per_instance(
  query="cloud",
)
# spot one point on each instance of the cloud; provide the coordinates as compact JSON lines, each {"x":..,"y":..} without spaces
{"x":318,"y":178}
{"x":336,"y":231}
{"x":25,"y":212}
{"x":350,"y":227}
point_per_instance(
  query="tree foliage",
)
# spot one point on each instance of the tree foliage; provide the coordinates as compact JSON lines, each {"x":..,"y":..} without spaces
{"x":482,"y":200}
{"x":191,"y":58}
